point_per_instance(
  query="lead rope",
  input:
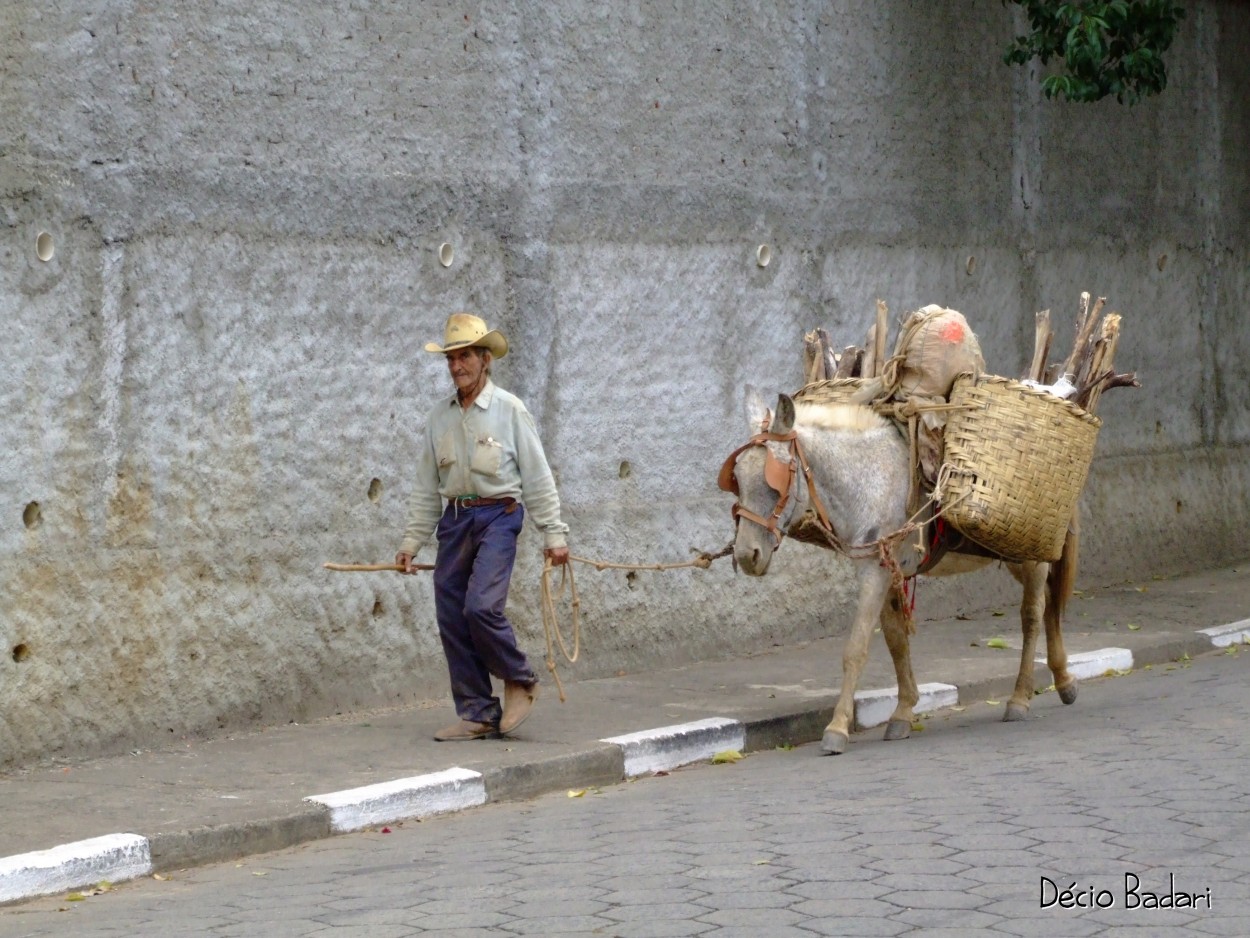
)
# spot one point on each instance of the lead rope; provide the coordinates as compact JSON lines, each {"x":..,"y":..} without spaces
{"x":568,"y":583}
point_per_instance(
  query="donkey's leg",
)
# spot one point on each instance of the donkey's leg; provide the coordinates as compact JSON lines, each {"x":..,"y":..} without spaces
{"x":1059,"y":585}
{"x":1033,"y":577}
{"x":873,"y":582}
{"x":894,"y":627}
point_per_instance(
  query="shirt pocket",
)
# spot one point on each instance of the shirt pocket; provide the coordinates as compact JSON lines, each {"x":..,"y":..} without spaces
{"x":445,"y":453}
{"x":487,"y":457}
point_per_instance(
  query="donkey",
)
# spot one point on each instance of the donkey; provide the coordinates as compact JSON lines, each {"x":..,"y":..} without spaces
{"x":852,"y":467}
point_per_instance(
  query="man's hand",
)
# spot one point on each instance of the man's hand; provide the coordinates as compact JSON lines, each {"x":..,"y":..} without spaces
{"x":405,"y":561}
{"x":558,"y":556}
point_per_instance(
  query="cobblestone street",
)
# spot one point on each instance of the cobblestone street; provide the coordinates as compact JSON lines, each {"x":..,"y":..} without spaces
{"x":1135,"y":797}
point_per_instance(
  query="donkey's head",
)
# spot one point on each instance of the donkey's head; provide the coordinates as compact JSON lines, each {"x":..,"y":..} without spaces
{"x":763,"y":474}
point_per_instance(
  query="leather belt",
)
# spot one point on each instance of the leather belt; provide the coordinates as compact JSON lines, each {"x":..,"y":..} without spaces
{"x":476,"y":501}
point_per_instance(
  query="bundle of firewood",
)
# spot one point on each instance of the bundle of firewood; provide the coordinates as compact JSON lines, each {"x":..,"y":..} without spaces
{"x":822,"y":363}
{"x":1090,"y":367}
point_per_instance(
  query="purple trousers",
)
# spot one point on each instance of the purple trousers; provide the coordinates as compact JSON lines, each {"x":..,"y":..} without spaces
{"x":476,"y":551}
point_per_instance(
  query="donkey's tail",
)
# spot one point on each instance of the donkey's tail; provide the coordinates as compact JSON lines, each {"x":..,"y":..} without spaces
{"x":1061,"y":579}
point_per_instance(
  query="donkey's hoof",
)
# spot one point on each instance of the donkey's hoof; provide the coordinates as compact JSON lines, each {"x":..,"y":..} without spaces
{"x":833,"y":743}
{"x":1068,"y":694}
{"x":898,"y":729}
{"x":1015,"y":713}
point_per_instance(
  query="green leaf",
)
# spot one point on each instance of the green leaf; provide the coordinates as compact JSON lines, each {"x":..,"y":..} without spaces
{"x":1106,"y":48}
{"x":997,"y":642}
{"x":727,"y":755}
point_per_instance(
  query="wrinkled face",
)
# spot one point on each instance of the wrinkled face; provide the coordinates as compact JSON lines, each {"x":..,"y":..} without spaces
{"x":467,"y":367}
{"x":754,"y":544}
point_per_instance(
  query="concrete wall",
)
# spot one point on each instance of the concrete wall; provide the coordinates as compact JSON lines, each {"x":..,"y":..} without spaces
{"x":216,"y":381}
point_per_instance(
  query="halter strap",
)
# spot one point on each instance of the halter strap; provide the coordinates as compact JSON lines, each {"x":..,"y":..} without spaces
{"x":729,"y":483}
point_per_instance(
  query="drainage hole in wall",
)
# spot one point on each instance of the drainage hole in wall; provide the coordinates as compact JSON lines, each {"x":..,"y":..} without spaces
{"x":375,"y":489}
{"x":377,"y":608}
{"x":44,"y":247}
{"x":21,"y":651}
{"x":32,"y":515}
{"x":1179,"y":506}
{"x":626,"y":469}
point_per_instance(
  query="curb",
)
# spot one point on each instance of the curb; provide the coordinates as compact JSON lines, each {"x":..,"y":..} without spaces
{"x":114,"y":857}
{"x":119,"y":857}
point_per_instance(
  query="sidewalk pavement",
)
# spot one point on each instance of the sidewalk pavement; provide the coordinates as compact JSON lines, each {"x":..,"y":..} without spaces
{"x":75,"y":823}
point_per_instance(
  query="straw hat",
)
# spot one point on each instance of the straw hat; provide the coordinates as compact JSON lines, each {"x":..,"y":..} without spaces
{"x":464,"y":330}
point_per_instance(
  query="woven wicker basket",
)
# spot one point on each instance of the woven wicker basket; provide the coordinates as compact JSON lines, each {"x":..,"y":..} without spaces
{"x":1015,"y":462}
{"x":832,"y":391}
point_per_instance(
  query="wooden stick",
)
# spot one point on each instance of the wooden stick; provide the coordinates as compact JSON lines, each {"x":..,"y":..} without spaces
{"x":826,"y":352}
{"x":1042,"y":337}
{"x":879,"y":337}
{"x":1107,"y":342}
{"x":369,"y":567}
{"x":813,"y":362}
{"x":1085,"y":329}
{"x":868,"y":365}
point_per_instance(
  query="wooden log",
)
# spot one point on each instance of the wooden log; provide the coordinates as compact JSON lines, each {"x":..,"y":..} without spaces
{"x":851,"y":363}
{"x":1042,"y":337}
{"x":868,"y":366}
{"x":813,"y":361}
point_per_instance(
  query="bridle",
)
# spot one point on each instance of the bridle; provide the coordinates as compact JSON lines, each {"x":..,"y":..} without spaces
{"x":779,"y":477}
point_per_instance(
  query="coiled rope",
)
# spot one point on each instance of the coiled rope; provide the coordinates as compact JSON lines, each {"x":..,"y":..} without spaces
{"x":568,"y":584}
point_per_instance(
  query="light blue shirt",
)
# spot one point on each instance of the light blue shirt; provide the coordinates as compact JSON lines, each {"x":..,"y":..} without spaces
{"x":490,"y":449}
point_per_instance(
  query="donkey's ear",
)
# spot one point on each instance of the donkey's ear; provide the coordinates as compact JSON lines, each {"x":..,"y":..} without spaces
{"x":784,"y":421}
{"x":754,"y":410}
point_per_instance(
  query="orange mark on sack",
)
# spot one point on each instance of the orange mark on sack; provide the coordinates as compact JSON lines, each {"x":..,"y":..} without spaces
{"x":952,"y":331}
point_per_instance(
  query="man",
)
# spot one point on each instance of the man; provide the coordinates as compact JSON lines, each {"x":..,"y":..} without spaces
{"x":482,"y":454}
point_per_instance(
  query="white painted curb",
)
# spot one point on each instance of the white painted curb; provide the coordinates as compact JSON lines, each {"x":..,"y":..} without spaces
{"x":1235,"y":633}
{"x":114,"y":857}
{"x":668,"y":747}
{"x":1087,"y":664}
{"x":873,"y":707}
{"x":420,"y":796}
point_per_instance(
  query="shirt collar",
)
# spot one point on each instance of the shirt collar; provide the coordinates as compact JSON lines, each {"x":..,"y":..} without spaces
{"x":483,"y":398}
